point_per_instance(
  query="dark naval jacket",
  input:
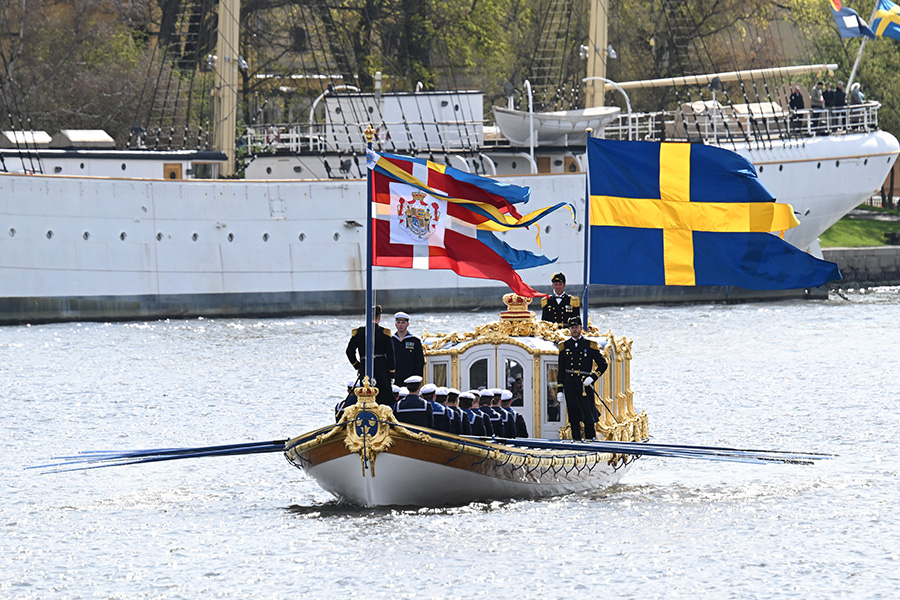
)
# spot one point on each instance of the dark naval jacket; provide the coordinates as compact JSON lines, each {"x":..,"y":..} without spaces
{"x":558,"y":309}
{"x":414,"y":410}
{"x":476,"y":421}
{"x":383,"y":369}
{"x":409,"y":358}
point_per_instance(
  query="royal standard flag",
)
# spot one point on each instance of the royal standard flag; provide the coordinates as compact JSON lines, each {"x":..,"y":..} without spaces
{"x":848,"y":21}
{"x":689,"y":214}
{"x":887,"y":20}
{"x":429,"y":216}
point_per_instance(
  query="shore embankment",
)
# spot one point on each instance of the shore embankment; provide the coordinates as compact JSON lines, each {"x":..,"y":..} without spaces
{"x":864,"y":267}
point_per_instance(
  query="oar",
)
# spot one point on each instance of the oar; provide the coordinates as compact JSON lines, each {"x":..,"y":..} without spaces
{"x":641,"y":449}
{"x":108,"y":458}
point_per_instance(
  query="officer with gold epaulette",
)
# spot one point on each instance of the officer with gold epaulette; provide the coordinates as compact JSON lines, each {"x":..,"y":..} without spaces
{"x":577,"y":357}
{"x":559,"y":307}
{"x":383,"y":366}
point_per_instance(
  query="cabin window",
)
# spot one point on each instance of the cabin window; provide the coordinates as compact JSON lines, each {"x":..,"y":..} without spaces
{"x":552,"y":407}
{"x":478,"y":374}
{"x":439,"y":375}
{"x":514,"y":374}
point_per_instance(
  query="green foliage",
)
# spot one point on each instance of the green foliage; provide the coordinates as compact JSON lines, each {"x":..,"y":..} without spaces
{"x":856,"y":232}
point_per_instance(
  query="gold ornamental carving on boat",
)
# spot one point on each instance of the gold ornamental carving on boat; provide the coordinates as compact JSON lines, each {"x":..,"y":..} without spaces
{"x":368,"y":426}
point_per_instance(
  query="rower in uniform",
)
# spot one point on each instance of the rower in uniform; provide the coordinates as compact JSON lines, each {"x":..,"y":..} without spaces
{"x":559,"y":307}
{"x":383,"y":367}
{"x":412,"y":408}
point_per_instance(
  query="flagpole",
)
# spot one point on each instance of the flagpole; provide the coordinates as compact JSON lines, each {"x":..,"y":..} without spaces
{"x":370,"y":330}
{"x":859,"y":54}
{"x":587,"y":227}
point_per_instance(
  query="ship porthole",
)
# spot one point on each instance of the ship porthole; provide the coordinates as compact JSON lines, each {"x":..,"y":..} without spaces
{"x":781,"y":167}
{"x":301,"y":237}
{"x":513,"y":164}
{"x":268,"y":170}
{"x":123,"y":166}
{"x":82,"y":165}
{"x":837,"y":163}
{"x":12,"y":232}
{"x":122,"y":236}
{"x":230,"y":237}
{"x":547,"y":229}
{"x":86,"y":235}
{"x":265,"y":237}
{"x":195,"y":237}
{"x":336,"y":236}
{"x":760,"y":169}
{"x":866,"y":161}
{"x":818,"y":165}
{"x":49,"y":233}
{"x":159,"y":236}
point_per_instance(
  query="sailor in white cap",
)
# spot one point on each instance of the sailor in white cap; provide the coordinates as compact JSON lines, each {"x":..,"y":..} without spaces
{"x":519,"y":428}
{"x":396,"y":391}
{"x":409,"y":358}
{"x":473,"y":420}
{"x":439,"y":411}
{"x":491,"y":417}
{"x":413,"y":409}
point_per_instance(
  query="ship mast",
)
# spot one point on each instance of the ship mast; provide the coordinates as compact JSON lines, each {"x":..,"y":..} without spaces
{"x":226,"y":86}
{"x":597,"y":54}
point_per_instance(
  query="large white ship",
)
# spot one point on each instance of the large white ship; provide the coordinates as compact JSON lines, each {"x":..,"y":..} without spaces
{"x":88,"y":232}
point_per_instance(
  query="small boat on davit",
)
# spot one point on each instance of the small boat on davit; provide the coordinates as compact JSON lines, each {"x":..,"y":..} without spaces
{"x":371,"y":459}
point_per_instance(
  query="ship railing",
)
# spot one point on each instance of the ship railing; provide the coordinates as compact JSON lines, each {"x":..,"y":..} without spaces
{"x":755,"y":122}
{"x":296,"y":138}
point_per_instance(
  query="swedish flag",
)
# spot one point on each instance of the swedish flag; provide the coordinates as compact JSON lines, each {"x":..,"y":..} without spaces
{"x":689,"y":214}
{"x":887,"y":20}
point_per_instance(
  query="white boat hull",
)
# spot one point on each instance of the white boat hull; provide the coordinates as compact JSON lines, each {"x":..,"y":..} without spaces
{"x":103,"y":248}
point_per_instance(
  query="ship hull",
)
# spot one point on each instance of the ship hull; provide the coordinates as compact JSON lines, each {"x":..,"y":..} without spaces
{"x":77,"y":248}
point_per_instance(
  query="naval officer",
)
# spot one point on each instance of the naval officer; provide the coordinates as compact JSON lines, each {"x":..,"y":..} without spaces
{"x":383,"y":367}
{"x":409,"y":358}
{"x":577,"y":357}
{"x":559,"y":307}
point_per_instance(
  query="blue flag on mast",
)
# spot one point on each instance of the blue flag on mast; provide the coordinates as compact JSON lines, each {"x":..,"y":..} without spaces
{"x":848,"y":21}
{"x":689,"y":214}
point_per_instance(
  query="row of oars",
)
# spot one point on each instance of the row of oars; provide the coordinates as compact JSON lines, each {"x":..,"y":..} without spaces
{"x":95,"y":459}
{"x":671,"y":450}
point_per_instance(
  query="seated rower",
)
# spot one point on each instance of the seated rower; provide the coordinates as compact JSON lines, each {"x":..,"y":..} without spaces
{"x":506,"y":403}
{"x":455,"y":415}
{"x":473,"y":420}
{"x":412,"y":408}
{"x":440,"y":416}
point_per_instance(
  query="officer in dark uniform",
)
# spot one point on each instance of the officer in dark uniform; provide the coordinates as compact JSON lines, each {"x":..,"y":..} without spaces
{"x":559,"y":307}
{"x":412,"y":408}
{"x":577,"y":357}
{"x":384,"y":357}
{"x":409,"y":358}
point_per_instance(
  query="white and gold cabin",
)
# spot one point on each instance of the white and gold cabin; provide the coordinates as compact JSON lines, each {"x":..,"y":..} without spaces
{"x":520,"y":353}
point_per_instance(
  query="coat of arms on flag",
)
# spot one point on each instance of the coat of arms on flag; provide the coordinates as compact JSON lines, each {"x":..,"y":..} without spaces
{"x":420,"y":218}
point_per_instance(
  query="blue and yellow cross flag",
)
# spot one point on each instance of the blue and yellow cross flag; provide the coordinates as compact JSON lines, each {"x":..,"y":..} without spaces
{"x":887,"y":20}
{"x":689,"y":214}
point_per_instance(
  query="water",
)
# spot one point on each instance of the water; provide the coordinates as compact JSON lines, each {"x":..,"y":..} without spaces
{"x":817,"y":376}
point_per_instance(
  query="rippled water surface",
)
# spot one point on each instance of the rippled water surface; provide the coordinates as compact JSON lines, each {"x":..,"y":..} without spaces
{"x":820,"y":376}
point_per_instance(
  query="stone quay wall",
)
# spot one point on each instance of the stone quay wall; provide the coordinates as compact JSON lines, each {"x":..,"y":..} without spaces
{"x":863,"y":267}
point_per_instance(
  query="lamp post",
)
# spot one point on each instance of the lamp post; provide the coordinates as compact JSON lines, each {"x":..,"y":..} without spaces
{"x":618,"y":87}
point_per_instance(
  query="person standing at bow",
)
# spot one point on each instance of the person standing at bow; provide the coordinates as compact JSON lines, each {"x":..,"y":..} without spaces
{"x":409,"y":357}
{"x":383,"y":365}
{"x":577,"y":357}
{"x":560,"y":306}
